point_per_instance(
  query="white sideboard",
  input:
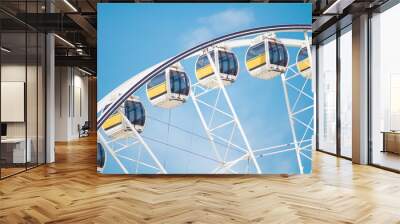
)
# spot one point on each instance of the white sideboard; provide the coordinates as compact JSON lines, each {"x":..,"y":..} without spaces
{"x":19,"y":153}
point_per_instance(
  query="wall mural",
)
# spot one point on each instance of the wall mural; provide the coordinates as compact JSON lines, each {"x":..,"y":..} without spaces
{"x":204,"y":89}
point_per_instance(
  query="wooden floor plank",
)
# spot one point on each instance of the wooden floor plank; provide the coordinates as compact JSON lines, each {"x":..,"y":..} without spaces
{"x":70,"y":191}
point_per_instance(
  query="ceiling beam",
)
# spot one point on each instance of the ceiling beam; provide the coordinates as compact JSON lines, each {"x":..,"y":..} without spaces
{"x":81,"y":61}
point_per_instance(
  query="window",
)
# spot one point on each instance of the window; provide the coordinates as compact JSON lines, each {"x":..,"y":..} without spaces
{"x":22,"y":65}
{"x":327,"y":95}
{"x":185,"y":85}
{"x":228,"y":64}
{"x":134,"y":112}
{"x":394,"y":102}
{"x":256,"y":50}
{"x":100,"y":156}
{"x":335,"y":61}
{"x":158,"y":79}
{"x":130,"y":111}
{"x":385,"y":89}
{"x":203,"y":60}
{"x":273,"y":53}
{"x":223,"y":62}
{"x":179,"y":82}
{"x":303,"y":54}
{"x":175,"y":81}
{"x":346,"y":92}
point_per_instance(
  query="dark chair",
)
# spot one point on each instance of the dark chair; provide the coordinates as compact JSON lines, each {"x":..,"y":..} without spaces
{"x":84,"y":130}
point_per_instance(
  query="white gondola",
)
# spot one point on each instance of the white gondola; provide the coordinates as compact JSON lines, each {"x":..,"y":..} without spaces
{"x":267,"y":57}
{"x":101,"y":158}
{"x":133,"y":110}
{"x":227,"y":65}
{"x":303,"y":63}
{"x":170,"y":88}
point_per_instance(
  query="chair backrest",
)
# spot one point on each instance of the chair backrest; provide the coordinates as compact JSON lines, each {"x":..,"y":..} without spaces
{"x":86,"y":125}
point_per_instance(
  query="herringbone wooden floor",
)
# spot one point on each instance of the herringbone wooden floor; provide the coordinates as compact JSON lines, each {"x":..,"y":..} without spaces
{"x":70,"y":191}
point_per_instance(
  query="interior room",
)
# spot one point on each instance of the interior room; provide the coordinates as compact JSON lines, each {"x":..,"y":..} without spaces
{"x":385,"y":90}
{"x":51,"y":159}
{"x":23,"y":99}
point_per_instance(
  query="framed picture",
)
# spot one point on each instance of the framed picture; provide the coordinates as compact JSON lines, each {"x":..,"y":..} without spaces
{"x":205,"y":89}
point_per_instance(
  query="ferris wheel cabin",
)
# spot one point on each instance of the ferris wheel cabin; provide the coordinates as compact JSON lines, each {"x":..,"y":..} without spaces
{"x":170,"y":88}
{"x":266,"y":58}
{"x":303,"y":63}
{"x":227,"y":65}
{"x":131,"y":110}
{"x":101,"y":157}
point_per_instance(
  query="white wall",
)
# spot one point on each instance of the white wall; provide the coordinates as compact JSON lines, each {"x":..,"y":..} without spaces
{"x":61,"y":103}
{"x":71,"y":102}
{"x":80,"y":104}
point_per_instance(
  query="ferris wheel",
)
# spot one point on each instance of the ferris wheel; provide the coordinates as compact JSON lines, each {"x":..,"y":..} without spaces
{"x":122,"y":114}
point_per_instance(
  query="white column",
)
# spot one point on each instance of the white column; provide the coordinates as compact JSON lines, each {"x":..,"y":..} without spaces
{"x":50,"y":99}
{"x":50,"y":92}
{"x":314,"y":90}
{"x":360,"y":90}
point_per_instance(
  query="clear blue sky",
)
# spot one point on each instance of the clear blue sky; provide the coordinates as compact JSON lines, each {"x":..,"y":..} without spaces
{"x":132,"y":37}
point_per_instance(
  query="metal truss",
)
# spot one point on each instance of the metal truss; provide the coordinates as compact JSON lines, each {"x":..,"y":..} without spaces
{"x":232,"y":124}
{"x":294,"y":110}
{"x":130,"y":140}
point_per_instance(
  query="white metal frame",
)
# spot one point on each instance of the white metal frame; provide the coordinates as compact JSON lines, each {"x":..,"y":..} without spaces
{"x":127,"y":141}
{"x":231,"y":113}
{"x":292,"y":114}
{"x":197,"y":91}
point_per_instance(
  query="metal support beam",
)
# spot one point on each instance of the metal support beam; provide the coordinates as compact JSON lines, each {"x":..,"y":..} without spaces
{"x":232,"y":110}
{"x":291,"y":122}
{"x":205,"y":126}
{"x":143,"y":143}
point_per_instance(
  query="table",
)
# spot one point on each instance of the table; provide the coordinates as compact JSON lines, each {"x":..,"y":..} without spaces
{"x":391,"y":141}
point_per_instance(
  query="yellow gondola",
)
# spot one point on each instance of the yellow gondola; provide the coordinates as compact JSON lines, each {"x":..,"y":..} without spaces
{"x":303,"y":63}
{"x":170,"y":88}
{"x":133,"y":110}
{"x":266,"y":58}
{"x":227,"y":65}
